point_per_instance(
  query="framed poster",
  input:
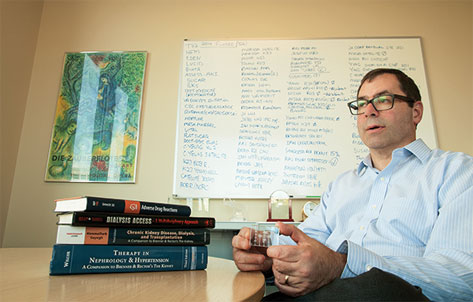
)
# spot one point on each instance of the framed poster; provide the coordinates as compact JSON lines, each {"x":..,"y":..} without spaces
{"x":96,"y":125}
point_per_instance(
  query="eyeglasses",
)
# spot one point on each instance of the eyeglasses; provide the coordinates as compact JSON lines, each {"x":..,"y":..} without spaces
{"x":380,"y":103}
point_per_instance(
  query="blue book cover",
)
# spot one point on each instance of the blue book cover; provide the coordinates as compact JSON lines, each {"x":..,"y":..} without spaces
{"x":86,"y":259}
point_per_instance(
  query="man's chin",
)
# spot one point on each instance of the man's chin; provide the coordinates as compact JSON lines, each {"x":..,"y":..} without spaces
{"x":374,"y":143}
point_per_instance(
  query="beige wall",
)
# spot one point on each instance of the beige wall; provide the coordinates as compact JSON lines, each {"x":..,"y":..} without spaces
{"x":159,"y":28}
{"x":19,"y":32}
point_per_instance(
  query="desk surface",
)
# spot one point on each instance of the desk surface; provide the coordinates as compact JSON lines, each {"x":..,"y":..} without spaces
{"x":24,"y":276}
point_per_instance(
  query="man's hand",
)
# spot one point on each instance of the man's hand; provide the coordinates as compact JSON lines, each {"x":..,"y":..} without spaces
{"x":249,"y":258}
{"x":309,"y":265}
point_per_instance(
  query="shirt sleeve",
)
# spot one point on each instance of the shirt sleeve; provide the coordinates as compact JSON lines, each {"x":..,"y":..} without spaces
{"x":445,"y":272}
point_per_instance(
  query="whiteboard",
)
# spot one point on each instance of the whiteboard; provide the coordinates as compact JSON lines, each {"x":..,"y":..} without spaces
{"x":255,"y":116}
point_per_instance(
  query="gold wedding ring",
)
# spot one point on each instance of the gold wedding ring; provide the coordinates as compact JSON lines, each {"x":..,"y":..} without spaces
{"x":286,"y":278}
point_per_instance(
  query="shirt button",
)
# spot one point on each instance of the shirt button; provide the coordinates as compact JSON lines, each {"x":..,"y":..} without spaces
{"x":382,"y":178}
{"x":368,"y":267}
{"x":362,"y":228}
{"x":373,"y":206}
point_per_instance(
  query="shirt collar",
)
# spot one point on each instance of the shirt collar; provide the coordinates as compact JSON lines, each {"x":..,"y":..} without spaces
{"x":417,"y":148}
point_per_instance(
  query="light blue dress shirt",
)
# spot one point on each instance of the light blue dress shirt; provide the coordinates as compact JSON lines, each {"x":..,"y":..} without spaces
{"x":413,"y":219}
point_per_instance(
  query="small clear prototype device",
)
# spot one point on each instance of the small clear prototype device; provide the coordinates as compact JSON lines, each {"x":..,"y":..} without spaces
{"x":263,"y":235}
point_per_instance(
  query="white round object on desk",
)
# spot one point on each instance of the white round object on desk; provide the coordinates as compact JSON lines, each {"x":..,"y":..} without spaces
{"x":308,"y":208}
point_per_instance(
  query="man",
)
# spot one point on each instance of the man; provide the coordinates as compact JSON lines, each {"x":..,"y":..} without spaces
{"x":399,"y":227}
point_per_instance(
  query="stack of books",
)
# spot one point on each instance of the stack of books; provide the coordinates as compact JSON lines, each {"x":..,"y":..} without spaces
{"x":107,"y":235}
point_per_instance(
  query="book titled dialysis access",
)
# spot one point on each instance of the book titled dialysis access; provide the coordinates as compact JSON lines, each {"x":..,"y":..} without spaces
{"x":133,"y":220}
{"x":86,"y":259}
{"x":104,"y":204}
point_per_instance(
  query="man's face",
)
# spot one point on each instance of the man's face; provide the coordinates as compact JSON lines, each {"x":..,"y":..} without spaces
{"x":384,"y":131}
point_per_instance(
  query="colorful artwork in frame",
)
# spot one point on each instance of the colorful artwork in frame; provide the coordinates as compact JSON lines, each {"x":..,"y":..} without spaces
{"x":96,"y":125}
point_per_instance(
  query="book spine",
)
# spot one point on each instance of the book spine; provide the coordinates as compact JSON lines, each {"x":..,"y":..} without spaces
{"x":131,"y":236}
{"x":86,"y":259}
{"x":100,"y":204}
{"x":122,"y":220}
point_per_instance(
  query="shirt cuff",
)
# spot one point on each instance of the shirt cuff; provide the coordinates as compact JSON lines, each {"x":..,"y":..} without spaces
{"x":359,"y":259}
{"x":343,"y":249}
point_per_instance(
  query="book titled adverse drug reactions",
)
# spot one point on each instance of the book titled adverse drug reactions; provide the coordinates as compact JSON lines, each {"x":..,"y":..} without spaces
{"x":103,"y":204}
{"x":86,"y":259}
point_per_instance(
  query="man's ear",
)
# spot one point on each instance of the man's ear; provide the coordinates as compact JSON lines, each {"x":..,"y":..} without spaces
{"x":417,"y":111}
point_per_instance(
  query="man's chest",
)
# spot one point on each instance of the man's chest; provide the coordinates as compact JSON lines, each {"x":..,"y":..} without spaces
{"x":385,"y":211}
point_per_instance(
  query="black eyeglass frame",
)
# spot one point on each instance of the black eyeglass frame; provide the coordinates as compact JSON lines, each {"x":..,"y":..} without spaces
{"x":394,"y":96}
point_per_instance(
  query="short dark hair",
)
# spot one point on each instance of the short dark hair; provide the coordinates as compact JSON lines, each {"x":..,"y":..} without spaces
{"x":408,"y":86}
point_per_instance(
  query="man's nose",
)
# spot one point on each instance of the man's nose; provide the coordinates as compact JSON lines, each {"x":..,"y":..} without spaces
{"x":370,"y":110}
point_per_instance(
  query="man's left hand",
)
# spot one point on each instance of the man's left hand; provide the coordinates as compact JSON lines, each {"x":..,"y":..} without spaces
{"x":305,"y":267}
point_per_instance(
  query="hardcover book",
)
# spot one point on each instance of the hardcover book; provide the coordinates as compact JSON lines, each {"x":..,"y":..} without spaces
{"x":86,"y":259}
{"x":134,"y":220}
{"x":68,"y":234}
{"x":102,"y":204}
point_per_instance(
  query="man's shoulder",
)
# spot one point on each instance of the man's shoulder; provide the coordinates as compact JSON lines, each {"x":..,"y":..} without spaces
{"x":437,"y":157}
{"x":449,"y":158}
{"x":450,"y":167}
